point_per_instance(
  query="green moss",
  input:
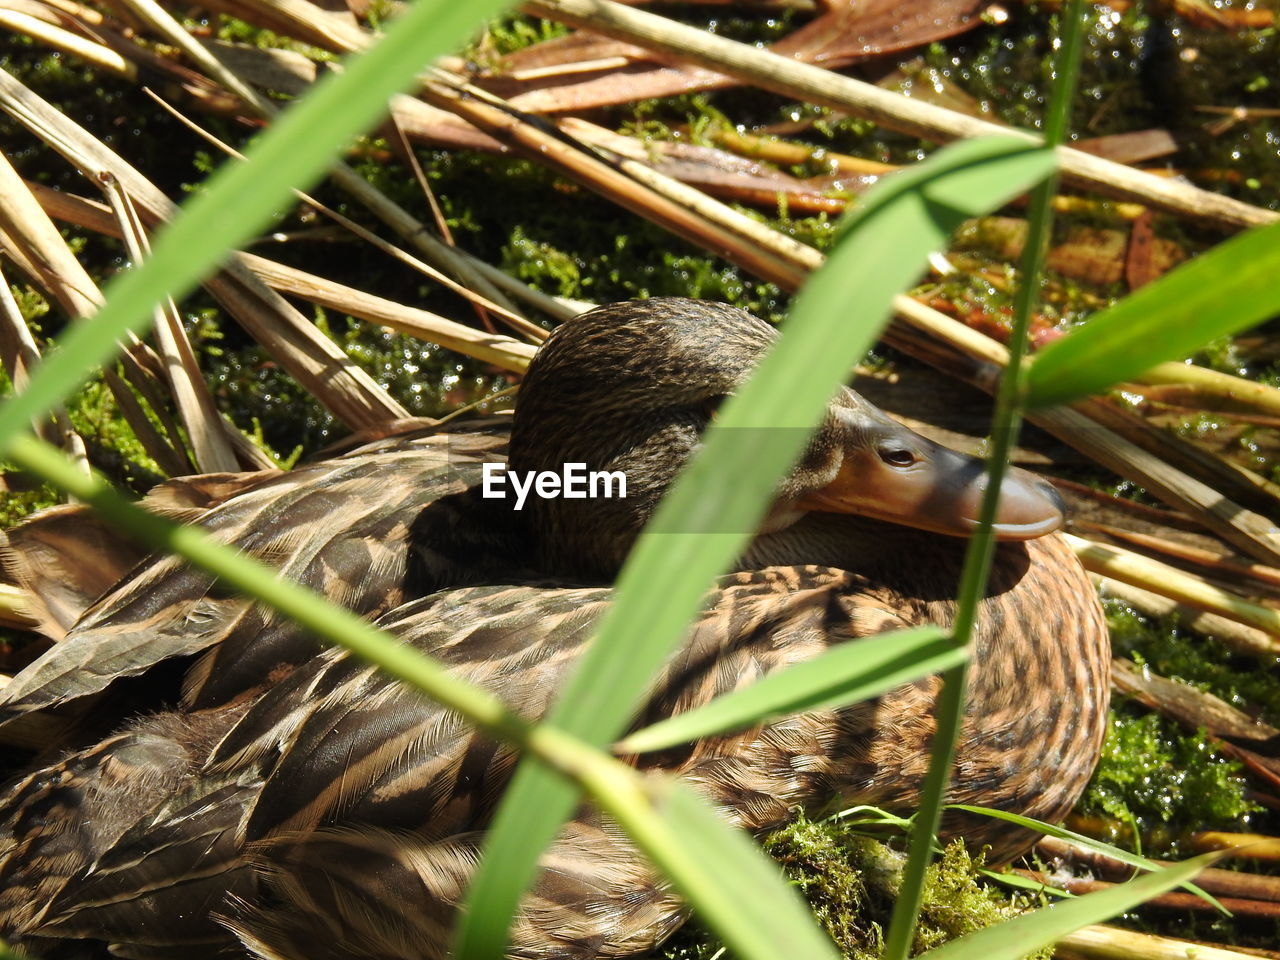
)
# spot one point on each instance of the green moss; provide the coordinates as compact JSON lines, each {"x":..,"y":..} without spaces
{"x":852,"y":881}
{"x":234,"y":30}
{"x":18,"y":504}
{"x":1155,"y":776}
{"x":1165,"y":782}
{"x":1201,"y":661}
{"x":503,"y":35}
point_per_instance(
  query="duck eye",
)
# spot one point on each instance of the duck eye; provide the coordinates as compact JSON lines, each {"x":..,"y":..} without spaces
{"x":897,"y":456}
{"x":711,"y":405}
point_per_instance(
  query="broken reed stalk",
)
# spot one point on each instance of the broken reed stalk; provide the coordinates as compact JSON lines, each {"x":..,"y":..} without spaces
{"x":32,"y":241}
{"x":206,"y":429}
{"x":1249,"y":846}
{"x":506,"y":352}
{"x":20,"y":355}
{"x":1194,"y":708}
{"x":14,"y":609}
{"x":309,"y":356}
{"x":349,"y":40}
{"x":1207,"y":559}
{"x":514,"y":320}
{"x":1249,"y":641}
{"x":1212,"y":384}
{"x":914,"y":117}
{"x":1165,"y":901}
{"x":1129,"y":567}
{"x":1214,"y":880}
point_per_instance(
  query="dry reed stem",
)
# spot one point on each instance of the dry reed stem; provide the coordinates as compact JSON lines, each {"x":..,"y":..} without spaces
{"x":1100,"y":942}
{"x":1133,"y":568}
{"x":586,"y":168}
{"x":1253,"y":846}
{"x":1230,"y":883}
{"x":515,"y":320}
{"x":1229,"y":478}
{"x":20,"y":355}
{"x":1166,"y":901}
{"x":314,"y":361}
{"x":1190,"y":706}
{"x":1249,"y":641}
{"x":1217,"y":562}
{"x":1211,"y":383}
{"x":508,"y":353}
{"x":35,"y":244}
{"x":14,"y":610}
{"x":915,"y":117}
{"x":374,"y":200}
{"x":95,"y":54}
{"x":205,"y":426}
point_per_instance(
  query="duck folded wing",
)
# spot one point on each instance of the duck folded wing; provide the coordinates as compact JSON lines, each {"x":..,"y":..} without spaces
{"x":340,"y":812}
{"x":341,"y":527}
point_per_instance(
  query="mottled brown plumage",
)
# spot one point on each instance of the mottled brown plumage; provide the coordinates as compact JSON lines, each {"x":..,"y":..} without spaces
{"x":337,"y":814}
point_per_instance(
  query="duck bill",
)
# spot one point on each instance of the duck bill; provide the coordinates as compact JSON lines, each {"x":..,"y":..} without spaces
{"x":940,"y":491}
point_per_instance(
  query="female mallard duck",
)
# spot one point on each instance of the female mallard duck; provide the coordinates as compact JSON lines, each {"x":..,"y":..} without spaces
{"x":336,"y":814}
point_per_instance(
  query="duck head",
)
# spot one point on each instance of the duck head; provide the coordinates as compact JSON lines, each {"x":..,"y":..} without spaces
{"x":631,"y":387}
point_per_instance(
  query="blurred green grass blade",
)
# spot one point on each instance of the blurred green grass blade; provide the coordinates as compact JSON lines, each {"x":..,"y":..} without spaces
{"x":728,"y":486}
{"x":1062,"y":833}
{"x":852,"y":671}
{"x":1233,"y":286}
{"x":1017,"y":882}
{"x":1022,"y":935}
{"x":242,"y":197}
{"x":737,"y":891}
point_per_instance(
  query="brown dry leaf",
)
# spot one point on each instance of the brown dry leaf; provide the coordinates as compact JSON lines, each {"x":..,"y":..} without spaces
{"x":846,"y":32}
{"x":1133,"y":147}
{"x":1094,"y":255}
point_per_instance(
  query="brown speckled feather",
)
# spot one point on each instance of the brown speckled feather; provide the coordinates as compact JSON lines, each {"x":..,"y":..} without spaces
{"x":350,"y":793}
{"x":294,"y":803}
{"x":341,"y":527}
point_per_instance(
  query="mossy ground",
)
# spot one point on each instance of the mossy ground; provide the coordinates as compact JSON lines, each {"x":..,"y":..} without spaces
{"x":851,"y":881}
{"x":512,"y":212}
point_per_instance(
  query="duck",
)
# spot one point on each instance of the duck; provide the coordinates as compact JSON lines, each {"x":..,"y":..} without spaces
{"x":330,"y":812}
{"x":625,"y":387}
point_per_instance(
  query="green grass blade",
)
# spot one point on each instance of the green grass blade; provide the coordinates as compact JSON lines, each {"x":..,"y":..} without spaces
{"x":1005,"y":422}
{"x":853,"y":671}
{"x":1062,"y":833}
{"x":1229,"y":288}
{"x":727,"y":487}
{"x":738,"y":891}
{"x":1022,"y":935}
{"x":242,"y":197}
{"x":1018,"y":882}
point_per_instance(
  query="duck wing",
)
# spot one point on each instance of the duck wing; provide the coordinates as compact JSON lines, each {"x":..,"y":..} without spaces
{"x":65,"y":558}
{"x":337,"y":780}
{"x":370,"y":854}
{"x":345,"y":528}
